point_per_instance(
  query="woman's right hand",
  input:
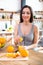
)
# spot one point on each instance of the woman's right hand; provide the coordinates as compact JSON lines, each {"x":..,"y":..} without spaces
{"x":18,"y":39}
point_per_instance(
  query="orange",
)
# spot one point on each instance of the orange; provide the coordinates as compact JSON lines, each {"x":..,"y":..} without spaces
{"x":2,"y":40}
{"x":23,"y":51}
{"x":10,"y":49}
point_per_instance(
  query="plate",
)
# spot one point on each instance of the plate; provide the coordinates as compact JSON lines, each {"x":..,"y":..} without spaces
{"x":12,"y":59}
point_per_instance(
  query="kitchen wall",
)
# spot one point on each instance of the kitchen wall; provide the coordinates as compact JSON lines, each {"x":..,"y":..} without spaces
{"x":10,"y":5}
{"x":35,"y":4}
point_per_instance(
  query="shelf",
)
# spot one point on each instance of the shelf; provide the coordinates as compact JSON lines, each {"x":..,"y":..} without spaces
{"x":9,"y":12}
{"x":6,"y":12}
{"x":5,"y":32}
{"x":40,"y":29}
{"x":38,"y":19}
{"x":5,"y":19}
{"x":7,"y":15}
{"x":39,"y":12}
{"x":40,"y":0}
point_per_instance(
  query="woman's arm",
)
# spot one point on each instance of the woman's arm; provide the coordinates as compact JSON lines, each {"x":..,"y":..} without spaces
{"x":36,"y":37}
{"x":16,"y":36}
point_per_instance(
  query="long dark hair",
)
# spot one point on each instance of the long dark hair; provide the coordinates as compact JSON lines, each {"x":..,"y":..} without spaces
{"x":31,"y":18}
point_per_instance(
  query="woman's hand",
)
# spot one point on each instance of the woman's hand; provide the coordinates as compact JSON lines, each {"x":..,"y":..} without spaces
{"x":18,"y":39}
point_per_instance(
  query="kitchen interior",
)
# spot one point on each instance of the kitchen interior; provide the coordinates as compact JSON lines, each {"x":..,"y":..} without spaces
{"x":10,"y":17}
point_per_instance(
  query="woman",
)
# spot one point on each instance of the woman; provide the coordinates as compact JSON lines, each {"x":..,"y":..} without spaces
{"x":26,"y":29}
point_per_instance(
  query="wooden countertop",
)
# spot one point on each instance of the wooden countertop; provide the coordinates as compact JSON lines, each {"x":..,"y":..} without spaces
{"x":35,"y":58}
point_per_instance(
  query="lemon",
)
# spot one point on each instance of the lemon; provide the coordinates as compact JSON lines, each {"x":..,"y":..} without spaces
{"x":12,"y":55}
{"x":2,"y":45}
{"x":21,"y":39}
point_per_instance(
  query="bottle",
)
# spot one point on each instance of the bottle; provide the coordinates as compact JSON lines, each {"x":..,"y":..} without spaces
{"x":5,"y":25}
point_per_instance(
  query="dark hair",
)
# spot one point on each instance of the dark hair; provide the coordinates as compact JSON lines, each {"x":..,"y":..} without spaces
{"x":31,"y":18}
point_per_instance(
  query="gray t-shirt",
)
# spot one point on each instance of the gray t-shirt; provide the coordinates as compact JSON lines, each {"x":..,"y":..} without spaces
{"x":27,"y":39}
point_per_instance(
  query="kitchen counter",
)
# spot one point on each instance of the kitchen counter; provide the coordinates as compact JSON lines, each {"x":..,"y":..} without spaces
{"x":35,"y":58}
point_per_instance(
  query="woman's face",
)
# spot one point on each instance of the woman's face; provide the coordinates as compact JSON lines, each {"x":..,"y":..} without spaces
{"x":26,"y":14}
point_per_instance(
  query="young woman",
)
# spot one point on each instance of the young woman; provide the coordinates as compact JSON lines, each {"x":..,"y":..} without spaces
{"x":26,"y":29}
